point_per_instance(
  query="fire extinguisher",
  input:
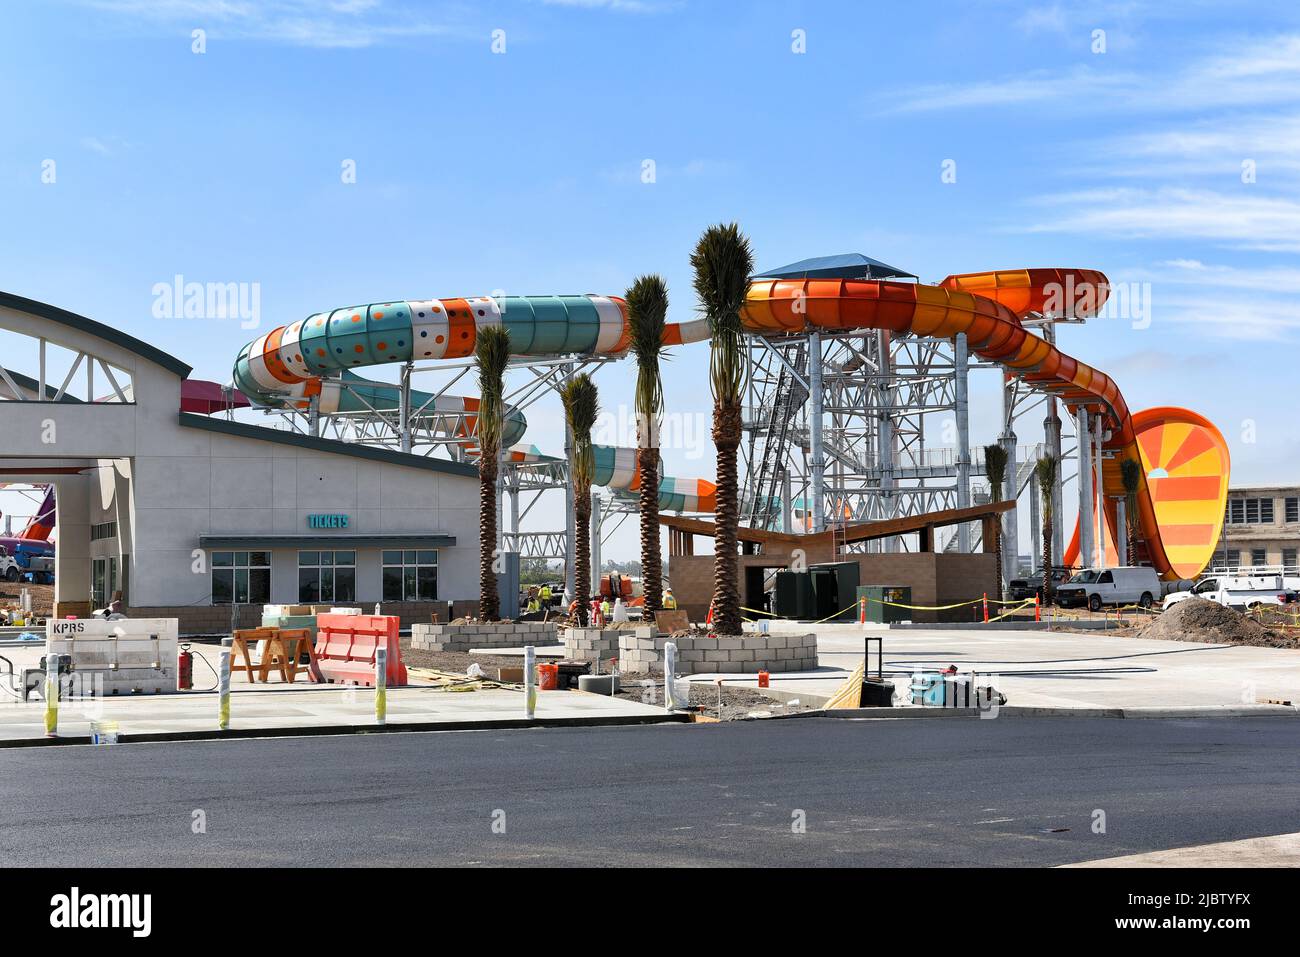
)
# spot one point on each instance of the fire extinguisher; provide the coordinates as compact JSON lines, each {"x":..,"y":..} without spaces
{"x":184,"y":668}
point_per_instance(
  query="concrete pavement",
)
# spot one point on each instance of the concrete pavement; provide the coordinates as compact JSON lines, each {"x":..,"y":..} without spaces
{"x":276,"y":708}
{"x":814,"y":791}
{"x":1063,"y":670}
{"x":1281,"y":850}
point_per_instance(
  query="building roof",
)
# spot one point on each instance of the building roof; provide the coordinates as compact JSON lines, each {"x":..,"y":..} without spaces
{"x":260,"y":433}
{"x":118,"y":338}
{"x":843,"y":266}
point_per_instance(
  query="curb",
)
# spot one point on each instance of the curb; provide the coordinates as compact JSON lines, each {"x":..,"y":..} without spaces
{"x":334,"y":730}
{"x":1025,"y":711}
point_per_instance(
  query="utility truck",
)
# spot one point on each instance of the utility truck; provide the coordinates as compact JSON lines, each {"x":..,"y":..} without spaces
{"x":1240,"y":591}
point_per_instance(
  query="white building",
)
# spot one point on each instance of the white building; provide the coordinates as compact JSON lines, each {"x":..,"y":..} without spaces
{"x":186,"y":513}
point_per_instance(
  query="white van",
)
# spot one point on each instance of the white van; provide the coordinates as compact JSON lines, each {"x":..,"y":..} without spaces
{"x":1236,"y":591}
{"x":1126,"y":585}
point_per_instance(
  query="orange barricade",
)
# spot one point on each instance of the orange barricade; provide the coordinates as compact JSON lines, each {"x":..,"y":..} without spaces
{"x":345,"y":648}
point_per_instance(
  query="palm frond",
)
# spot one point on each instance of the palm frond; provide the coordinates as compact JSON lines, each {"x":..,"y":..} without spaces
{"x":1130,"y":473}
{"x":995,"y":469}
{"x":1046,"y":471}
{"x":491,"y":355}
{"x":647,"y":305}
{"x":723,"y":262}
{"x":581,"y":406}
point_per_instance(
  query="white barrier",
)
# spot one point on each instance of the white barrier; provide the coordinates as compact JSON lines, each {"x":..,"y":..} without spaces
{"x":126,"y":656}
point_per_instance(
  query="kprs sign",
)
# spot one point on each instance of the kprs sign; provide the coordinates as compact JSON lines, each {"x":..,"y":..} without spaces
{"x":327,"y":521}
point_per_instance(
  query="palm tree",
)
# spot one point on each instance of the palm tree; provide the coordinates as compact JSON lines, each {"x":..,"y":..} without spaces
{"x":647,"y":304}
{"x":1046,"y":470}
{"x":995,"y":468}
{"x":491,"y":355}
{"x":1130,"y":472}
{"x":581,"y":406}
{"x":723,"y":262}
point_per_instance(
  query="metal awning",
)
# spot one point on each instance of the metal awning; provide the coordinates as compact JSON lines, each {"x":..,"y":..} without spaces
{"x":269,"y":542}
{"x":843,"y":266}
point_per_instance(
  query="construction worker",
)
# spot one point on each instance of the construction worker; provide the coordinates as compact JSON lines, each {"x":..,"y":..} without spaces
{"x":670,"y":600}
{"x":605,"y":609}
{"x":545,"y":595}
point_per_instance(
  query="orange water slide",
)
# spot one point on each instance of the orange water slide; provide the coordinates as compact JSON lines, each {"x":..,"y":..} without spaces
{"x":1184,"y":457}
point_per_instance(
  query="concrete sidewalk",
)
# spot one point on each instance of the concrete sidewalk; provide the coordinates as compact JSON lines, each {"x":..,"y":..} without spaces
{"x":1280,"y":850}
{"x":1059,"y":670}
{"x":328,"y":709}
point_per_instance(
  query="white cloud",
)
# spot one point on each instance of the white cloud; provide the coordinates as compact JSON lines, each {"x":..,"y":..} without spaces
{"x":1243,"y":218}
{"x":1223,"y":302}
{"x":1251,"y":73}
{"x":311,"y":23}
{"x":95,"y":145}
{"x":620,"y":6}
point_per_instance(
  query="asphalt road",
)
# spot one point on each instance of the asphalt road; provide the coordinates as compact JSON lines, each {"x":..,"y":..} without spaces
{"x":934,"y":792}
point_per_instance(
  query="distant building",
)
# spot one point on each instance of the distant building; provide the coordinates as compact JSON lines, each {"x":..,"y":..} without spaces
{"x":1261,"y":526}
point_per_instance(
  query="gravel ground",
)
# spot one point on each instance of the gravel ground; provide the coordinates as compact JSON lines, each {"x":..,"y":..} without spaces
{"x":1197,"y":619}
{"x":738,"y":701}
{"x":42,"y":597}
{"x":456,"y":661}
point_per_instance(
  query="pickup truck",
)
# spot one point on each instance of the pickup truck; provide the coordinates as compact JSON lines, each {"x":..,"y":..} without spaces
{"x":1237,"y":591}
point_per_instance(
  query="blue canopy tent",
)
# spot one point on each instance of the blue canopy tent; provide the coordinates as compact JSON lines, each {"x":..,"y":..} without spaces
{"x":843,"y":266}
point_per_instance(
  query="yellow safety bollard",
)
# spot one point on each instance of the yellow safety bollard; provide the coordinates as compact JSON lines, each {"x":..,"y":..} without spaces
{"x":530,"y":681}
{"x":51,"y":696}
{"x":223,"y":685}
{"x":381,"y":685}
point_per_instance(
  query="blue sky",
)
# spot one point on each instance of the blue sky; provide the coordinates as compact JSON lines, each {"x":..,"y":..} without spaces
{"x":478,"y":171}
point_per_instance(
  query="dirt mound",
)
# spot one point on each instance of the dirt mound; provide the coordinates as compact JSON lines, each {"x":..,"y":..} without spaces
{"x":1195,"y":619}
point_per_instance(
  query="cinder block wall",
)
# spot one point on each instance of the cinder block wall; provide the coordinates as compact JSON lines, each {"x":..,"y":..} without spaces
{"x":643,"y":653}
{"x":593,"y":644}
{"x":428,"y":637}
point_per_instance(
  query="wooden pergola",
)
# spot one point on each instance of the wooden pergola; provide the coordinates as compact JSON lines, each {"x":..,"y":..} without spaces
{"x":682,"y":530}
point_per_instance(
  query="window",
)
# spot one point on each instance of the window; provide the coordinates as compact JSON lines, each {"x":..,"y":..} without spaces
{"x":1289,"y":559}
{"x":1233,"y":558}
{"x":1258,"y":556}
{"x":1250,"y":511}
{"x":1292,"y":509}
{"x":411,"y":575}
{"x":102,"y":531}
{"x":241,"y":578}
{"x":327,"y":576}
{"x":1105,"y":578}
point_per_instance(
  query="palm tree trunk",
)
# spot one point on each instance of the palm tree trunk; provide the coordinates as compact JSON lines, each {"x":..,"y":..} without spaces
{"x":651,"y":560}
{"x":582,"y":548}
{"x":726,"y":578}
{"x":489,"y":604}
{"x":997,"y":551}
{"x":1047,"y":559}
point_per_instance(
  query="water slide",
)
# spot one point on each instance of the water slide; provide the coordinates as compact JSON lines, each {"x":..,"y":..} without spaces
{"x":616,"y":469}
{"x":315,"y":357}
{"x":1184,"y":458}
